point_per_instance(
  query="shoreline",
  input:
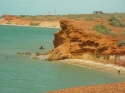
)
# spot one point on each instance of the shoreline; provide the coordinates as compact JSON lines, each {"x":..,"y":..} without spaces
{"x":100,"y":88}
{"x":29,"y":26}
{"x":90,"y":64}
{"x":108,"y":68}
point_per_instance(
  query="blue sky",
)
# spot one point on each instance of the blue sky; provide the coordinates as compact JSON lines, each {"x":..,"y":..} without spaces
{"x":39,"y":7}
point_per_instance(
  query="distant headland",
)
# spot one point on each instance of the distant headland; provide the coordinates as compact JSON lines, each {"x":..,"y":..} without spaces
{"x":22,"y":20}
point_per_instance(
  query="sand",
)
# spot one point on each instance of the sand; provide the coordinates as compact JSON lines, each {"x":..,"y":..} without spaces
{"x":109,"y":68}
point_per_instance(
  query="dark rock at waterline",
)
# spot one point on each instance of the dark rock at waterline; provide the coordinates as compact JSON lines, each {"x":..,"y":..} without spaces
{"x":41,"y":47}
{"x":27,"y":53}
{"x":20,"y":53}
{"x":37,"y":54}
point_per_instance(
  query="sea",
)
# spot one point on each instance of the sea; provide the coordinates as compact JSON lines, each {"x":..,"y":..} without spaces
{"x":22,"y":74}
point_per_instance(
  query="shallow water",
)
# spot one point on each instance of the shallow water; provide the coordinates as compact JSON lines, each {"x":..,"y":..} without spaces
{"x":21,"y":74}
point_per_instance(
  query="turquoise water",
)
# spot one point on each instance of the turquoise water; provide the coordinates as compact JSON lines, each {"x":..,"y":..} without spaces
{"x":21,"y":74}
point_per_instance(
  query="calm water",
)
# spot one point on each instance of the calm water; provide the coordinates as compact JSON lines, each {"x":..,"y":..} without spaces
{"x":21,"y":74}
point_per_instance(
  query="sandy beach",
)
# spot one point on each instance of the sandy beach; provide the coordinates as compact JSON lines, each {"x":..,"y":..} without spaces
{"x":109,"y":68}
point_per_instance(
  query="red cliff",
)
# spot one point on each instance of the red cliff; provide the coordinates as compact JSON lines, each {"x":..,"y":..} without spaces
{"x":77,"y":40}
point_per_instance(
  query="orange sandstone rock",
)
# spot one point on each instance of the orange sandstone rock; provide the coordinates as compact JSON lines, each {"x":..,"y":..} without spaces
{"x":76,"y":39}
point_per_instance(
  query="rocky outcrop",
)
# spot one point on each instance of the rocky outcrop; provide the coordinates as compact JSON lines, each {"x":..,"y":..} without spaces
{"x":41,"y":47}
{"x":75,"y":40}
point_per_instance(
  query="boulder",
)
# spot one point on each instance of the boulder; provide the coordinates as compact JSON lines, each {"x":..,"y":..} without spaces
{"x":20,"y":53}
{"x":28,"y":53}
{"x":41,"y":47}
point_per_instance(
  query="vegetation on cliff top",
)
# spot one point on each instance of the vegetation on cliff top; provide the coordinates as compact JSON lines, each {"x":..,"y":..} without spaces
{"x":104,"y":30}
{"x":34,"y":24}
{"x":120,"y":43}
{"x":114,"y":21}
{"x":123,"y":32}
{"x":72,"y":16}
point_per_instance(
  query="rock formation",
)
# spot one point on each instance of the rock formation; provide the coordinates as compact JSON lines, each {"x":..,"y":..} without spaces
{"x":41,"y":47}
{"x":75,"y":40}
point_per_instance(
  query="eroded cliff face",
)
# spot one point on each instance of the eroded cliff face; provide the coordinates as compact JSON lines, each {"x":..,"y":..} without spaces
{"x":75,"y":40}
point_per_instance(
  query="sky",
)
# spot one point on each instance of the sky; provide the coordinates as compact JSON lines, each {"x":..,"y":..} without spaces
{"x":43,"y":7}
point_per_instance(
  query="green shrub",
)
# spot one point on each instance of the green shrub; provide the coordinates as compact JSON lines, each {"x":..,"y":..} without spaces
{"x":22,"y":15}
{"x":113,"y":18}
{"x":104,"y":30}
{"x":123,"y":32}
{"x":89,"y":18}
{"x":122,"y":24}
{"x":34,"y":24}
{"x":116,"y":22}
{"x":120,"y":43}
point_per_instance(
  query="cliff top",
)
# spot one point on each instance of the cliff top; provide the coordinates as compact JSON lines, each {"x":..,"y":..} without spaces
{"x":99,"y":26}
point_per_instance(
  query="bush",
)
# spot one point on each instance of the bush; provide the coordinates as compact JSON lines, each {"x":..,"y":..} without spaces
{"x":123,"y":33}
{"x":89,"y":18}
{"x":22,"y":15}
{"x":122,"y":24}
{"x":34,"y":24}
{"x":120,"y":43}
{"x":116,"y":22}
{"x":104,"y":30}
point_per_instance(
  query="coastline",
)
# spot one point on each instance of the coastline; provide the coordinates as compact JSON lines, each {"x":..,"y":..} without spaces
{"x":108,"y":68}
{"x":29,"y":26}
{"x":99,"y":88}
{"x":90,"y":64}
